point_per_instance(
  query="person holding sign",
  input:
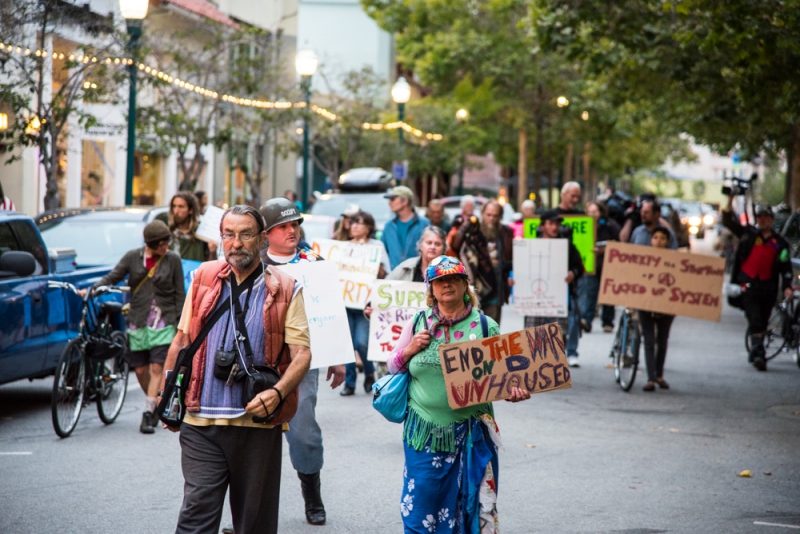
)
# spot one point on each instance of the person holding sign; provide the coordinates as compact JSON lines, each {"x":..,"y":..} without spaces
{"x":655,"y":329}
{"x":761,"y":263}
{"x":362,"y":227}
{"x":451,"y":462}
{"x":551,"y":223}
{"x":304,"y":436}
{"x":607,"y":230}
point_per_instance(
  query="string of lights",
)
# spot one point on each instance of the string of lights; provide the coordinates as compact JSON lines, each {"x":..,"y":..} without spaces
{"x":208,"y":93}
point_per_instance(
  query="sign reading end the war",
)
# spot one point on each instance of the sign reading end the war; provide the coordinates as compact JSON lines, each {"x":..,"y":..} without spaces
{"x":485,"y":370}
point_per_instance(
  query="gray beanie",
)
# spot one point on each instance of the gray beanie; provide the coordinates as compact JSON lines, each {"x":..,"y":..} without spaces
{"x":156,"y":231}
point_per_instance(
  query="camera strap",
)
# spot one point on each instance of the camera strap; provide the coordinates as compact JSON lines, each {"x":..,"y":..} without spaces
{"x":239,"y":315}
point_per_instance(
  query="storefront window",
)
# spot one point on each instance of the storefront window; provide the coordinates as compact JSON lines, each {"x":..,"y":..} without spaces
{"x":97,"y":174}
{"x":147,"y":180}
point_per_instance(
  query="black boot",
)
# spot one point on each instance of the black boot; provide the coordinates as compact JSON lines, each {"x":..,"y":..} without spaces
{"x":315,"y":510}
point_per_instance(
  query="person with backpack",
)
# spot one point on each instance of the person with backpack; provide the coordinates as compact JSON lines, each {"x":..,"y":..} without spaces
{"x":451,"y":462}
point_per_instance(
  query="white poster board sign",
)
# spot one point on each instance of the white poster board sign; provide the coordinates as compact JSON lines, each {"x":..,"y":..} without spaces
{"x":208,"y":229}
{"x":393,"y":302}
{"x":540,"y":269}
{"x":327,"y":316}
{"x":357,"y":265}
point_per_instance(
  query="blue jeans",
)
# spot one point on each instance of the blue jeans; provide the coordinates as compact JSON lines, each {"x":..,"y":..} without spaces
{"x":304,"y":435}
{"x":574,"y":329}
{"x":588,"y":289}
{"x":359,"y":333}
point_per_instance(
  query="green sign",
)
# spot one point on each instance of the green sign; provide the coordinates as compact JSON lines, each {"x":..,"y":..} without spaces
{"x":583,"y":236}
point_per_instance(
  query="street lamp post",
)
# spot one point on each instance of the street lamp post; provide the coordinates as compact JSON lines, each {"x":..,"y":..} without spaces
{"x":461,"y":115}
{"x":134,"y":11}
{"x":306,"y":63}
{"x":401,"y":93}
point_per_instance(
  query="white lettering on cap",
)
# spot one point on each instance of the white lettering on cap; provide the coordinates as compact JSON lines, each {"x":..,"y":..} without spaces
{"x":284,"y":213}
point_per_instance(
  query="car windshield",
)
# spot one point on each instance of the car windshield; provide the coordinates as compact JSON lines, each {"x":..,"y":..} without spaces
{"x":96,"y":242}
{"x":691,"y":208}
{"x":335,"y":204}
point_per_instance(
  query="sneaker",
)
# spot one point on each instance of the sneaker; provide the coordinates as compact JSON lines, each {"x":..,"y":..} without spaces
{"x":608,"y":328}
{"x":586,"y":326}
{"x":146,"y":426}
{"x":572,"y":361}
{"x":347,"y":391}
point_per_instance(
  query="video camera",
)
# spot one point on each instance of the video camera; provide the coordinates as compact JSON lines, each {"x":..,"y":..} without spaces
{"x":737,"y":186}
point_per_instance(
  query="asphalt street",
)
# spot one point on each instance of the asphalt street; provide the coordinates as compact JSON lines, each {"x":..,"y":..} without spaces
{"x":591,"y":459}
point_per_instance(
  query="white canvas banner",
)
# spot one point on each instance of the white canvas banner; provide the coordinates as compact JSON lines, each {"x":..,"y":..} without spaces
{"x":208,"y":229}
{"x":540,"y":269}
{"x":327,"y":316}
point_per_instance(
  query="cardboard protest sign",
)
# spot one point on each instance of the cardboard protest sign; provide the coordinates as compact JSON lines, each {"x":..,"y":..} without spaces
{"x":540,"y":269}
{"x":583,"y":236}
{"x":394,"y":303}
{"x":327,"y":316}
{"x":485,"y":370}
{"x":208,"y":229}
{"x":663,"y":281}
{"x":357,"y":265}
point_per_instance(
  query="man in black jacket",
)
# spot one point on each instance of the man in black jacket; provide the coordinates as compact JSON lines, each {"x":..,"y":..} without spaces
{"x":761,"y":263}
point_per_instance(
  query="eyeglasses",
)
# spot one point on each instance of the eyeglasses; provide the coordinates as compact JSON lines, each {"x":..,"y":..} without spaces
{"x":244,"y":237}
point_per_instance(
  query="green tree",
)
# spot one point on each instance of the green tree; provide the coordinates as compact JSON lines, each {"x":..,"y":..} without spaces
{"x":44,"y":88}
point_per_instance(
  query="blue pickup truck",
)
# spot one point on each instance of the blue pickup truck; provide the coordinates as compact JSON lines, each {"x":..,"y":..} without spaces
{"x":36,"y":321}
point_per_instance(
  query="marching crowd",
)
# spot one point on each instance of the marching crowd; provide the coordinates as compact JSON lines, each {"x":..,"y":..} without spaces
{"x":243,"y":320}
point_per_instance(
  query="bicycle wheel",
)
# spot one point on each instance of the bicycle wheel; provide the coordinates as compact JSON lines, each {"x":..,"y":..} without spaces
{"x":628,"y":361}
{"x":68,"y":389}
{"x":616,"y":348}
{"x":111,"y":380}
{"x":774,"y":338}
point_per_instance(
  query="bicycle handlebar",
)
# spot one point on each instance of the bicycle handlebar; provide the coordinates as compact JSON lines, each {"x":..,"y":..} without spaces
{"x":99,"y":290}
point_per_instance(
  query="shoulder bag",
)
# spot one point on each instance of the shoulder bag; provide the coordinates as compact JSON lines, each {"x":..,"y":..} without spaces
{"x":172,"y":407}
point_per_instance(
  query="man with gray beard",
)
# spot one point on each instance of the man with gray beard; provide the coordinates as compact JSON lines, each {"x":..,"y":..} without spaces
{"x":231,"y":437}
{"x":486,"y":249}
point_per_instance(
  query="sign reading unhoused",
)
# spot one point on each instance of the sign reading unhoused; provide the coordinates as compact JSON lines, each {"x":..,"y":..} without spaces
{"x":662,"y":281}
{"x":485,"y":370}
{"x":583,"y":235}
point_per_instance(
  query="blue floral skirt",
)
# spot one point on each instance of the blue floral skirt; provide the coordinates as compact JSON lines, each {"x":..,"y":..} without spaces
{"x":453,"y":492}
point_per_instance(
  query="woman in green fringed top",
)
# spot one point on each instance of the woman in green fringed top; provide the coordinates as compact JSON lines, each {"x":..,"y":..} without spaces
{"x":450,"y":474}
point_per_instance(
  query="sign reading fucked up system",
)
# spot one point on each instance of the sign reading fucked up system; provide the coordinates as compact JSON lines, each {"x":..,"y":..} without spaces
{"x":662,"y":281}
{"x":485,"y":370}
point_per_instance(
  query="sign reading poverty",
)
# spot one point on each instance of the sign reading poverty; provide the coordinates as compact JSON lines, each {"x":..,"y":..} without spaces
{"x":485,"y":370}
{"x":662,"y":281}
{"x":357,"y":265}
{"x":583,"y":236}
{"x":540,"y":271}
{"x":327,"y":316}
{"x":394,"y":303}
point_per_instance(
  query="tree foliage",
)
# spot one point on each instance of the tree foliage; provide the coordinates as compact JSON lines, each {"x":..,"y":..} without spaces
{"x":44,"y":87}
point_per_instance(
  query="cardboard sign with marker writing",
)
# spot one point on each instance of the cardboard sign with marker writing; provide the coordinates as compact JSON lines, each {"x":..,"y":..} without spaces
{"x":485,"y":370}
{"x":358,"y":267}
{"x":583,"y":236}
{"x":208,"y":230}
{"x":663,"y":281}
{"x":394,"y":303}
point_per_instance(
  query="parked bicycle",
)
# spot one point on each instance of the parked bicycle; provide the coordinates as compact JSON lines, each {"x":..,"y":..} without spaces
{"x":625,"y":350}
{"x":99,"y":349}
{"x":783,"y":331}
